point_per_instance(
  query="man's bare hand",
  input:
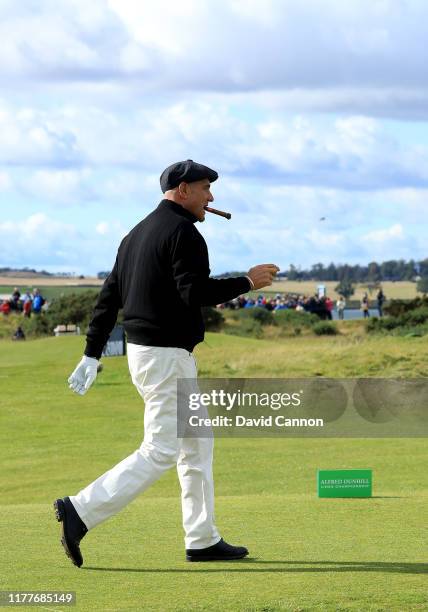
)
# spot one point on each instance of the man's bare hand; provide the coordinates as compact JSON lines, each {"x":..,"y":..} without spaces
{"x":263,"y":274}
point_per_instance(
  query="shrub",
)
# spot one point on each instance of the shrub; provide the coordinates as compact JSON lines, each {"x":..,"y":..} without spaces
{"x":373,"y":324}
{"x":422,"y":285}
{"x":36,"y":326}
{"x":292,"y":318}
{"x":416,"y":317}
{"x":8,"y":325}
{"x":324,"y":328}
{"x":246,"y":327}
{"x":390,"y":323}
{"x":414,"y":322}
{"x":213,"y":318}
{"x":398,"y":307}
{"x":419,"y":331}
{"x":257,"y":313}
{"x":75,"y":308}
{"x":345,"y":288}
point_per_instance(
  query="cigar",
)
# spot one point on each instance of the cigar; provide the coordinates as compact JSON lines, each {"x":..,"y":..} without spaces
{"x":221,"y":213}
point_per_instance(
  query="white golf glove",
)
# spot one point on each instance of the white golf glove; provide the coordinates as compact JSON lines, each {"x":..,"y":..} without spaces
{"x":84,"y":375}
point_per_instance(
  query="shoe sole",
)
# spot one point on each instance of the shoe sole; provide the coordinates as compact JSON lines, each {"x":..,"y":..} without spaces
{"x":60,"y":517}
{"x":213,"y":558}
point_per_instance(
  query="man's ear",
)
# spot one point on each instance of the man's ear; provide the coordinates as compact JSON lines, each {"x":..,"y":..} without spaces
{"x":183,"y":190}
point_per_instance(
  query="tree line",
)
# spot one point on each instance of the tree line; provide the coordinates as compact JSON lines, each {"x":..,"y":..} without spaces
{"x":374,"y":272}
{"x":391,"y":270}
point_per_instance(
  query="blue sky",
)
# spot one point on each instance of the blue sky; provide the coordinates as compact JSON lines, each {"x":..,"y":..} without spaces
{"x":306,"y":110}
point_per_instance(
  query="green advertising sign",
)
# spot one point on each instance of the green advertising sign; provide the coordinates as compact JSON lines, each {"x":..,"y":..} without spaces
{"x":344,"y":483}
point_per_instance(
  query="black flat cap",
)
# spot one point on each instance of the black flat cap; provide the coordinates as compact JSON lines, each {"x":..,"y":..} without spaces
{"x":187,"y":171}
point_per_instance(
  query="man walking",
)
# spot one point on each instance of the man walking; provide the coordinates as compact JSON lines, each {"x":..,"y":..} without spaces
{"x":161,"y":279}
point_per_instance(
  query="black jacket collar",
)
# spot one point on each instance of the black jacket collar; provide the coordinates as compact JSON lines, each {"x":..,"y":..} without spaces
{"x":178,"y":209}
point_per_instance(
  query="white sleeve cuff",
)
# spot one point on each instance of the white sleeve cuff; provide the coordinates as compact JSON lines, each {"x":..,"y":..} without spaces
{"x":251,"y":282}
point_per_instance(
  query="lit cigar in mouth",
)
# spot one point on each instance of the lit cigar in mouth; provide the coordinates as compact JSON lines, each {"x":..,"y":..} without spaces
{"x":221,"y":213}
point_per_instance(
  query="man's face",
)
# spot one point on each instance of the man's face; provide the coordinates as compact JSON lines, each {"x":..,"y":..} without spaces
{"x":198,"y":195}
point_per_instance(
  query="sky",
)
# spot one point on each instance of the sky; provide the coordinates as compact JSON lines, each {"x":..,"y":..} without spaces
{"x":307,"y":110}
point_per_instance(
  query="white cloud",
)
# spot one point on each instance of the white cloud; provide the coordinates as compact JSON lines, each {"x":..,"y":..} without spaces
{"x":99,"y":97}
{"x":284,"y":229}
{"x":399,"y":102}
{"x":354,"y":152}
{"x":29,"y":137}
{"x":363,"y":42}
{"x":397,"y":241}
{"x":37,"y":238}
{"x":134,"y":59}
{"x":395,"y":232}
{"x":304,"y":225}
{"x":316,"y":238}
{"x":49,"y":40}
{"x":102,"y":228}
{"x":148,"y":25}
{"x":42,"y":241}
{"x":5,"y":182}
{"x":113,"y":229}
{"x":267,"y":13}
{"x":37,"y":227}
{"x":60,"y":186}
{"x":363,"y":56}
{"x":408,"y":204}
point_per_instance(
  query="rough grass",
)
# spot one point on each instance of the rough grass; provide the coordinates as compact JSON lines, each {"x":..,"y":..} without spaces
{"x":350,"y":354}
{"x":306,"y":553}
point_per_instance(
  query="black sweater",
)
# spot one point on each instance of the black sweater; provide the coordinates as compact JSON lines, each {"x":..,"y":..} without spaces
{"x":161,"y":280}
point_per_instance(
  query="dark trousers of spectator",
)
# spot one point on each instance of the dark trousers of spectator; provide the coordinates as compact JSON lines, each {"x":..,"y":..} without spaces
{"x":366,"y":314}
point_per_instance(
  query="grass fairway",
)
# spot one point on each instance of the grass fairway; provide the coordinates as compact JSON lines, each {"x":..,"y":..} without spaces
{"x":305,"y":553}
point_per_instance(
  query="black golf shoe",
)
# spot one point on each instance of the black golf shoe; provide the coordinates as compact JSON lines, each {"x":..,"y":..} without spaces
{"x":218,"y":552}
{"x":73,"y":529}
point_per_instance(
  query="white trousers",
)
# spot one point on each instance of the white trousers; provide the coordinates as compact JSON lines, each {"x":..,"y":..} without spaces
{"x":154,"y":371}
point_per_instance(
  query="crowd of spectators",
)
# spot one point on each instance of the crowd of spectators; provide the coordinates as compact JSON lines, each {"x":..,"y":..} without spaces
{"x":321,"y":306}
{"x":365,"y":304}
{"x":26,"y":304}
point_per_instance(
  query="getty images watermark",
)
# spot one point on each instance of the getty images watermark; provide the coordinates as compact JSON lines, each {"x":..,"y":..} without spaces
{"x":230,"y":402}
{"x":319,"y":407}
